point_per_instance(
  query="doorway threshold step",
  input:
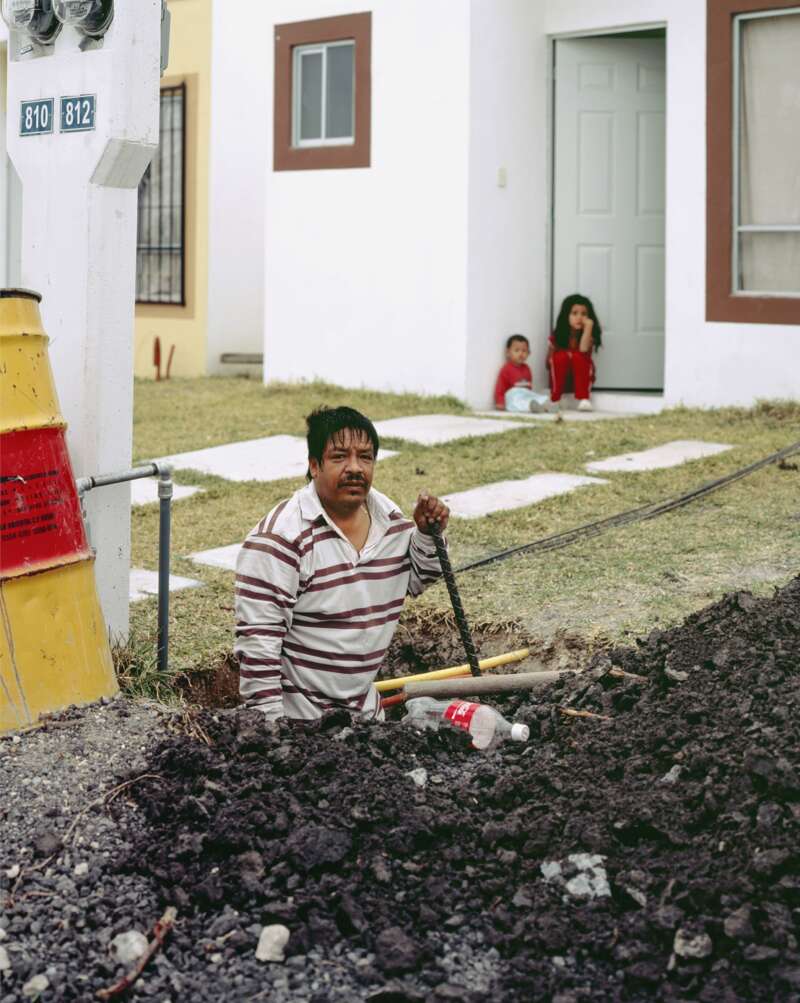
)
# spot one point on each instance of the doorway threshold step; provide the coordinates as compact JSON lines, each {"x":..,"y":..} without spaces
{"x":628,"y":401}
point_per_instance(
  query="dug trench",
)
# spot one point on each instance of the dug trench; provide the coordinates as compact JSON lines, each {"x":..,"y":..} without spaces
{"x":643,"y":845}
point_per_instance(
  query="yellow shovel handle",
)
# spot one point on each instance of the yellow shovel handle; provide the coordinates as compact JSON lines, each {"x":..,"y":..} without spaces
{"x":456,"y":670}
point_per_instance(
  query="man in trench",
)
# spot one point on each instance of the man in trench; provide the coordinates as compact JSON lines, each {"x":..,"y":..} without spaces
{"x":321,"y":580}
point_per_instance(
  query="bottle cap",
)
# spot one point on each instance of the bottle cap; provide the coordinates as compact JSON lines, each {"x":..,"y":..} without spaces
{"x":520,"y":732}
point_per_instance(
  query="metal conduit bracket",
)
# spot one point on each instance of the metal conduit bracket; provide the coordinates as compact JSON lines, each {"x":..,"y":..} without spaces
{"x":165,"y":490}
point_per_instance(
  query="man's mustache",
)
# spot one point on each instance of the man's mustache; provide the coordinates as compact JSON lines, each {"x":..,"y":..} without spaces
{"x":345,"y":481}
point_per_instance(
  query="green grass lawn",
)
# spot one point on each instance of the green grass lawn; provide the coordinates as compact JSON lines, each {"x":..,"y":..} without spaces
{"x":626,"y":581}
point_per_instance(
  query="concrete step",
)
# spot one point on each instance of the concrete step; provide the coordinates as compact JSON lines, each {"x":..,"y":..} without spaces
{"x":627,"y":401}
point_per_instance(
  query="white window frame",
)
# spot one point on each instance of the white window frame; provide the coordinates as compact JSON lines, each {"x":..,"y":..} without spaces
{"x":738,"y":227}
{"x":297,"y":54}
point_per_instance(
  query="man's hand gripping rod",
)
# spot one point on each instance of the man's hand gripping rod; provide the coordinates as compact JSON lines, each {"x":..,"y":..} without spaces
{"x":455,"y":599}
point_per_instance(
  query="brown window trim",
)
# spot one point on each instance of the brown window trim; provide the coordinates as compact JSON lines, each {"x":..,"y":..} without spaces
{"x":327,"y":29}
{"x":721,"y":303}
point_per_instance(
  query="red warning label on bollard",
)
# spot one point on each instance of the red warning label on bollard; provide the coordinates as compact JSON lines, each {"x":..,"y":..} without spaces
{"x":40,"y":518}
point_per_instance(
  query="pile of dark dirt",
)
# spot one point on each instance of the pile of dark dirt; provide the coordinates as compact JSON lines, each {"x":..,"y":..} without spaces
{"x":685,"y":784}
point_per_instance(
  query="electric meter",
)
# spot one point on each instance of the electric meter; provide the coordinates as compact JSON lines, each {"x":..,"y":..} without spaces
{"x":92,"y":17}
{"x":35,"y":18}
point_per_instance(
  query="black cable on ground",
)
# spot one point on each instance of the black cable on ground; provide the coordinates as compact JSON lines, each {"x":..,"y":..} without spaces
{"x":455,"y":599}
{"x":639,"y":514}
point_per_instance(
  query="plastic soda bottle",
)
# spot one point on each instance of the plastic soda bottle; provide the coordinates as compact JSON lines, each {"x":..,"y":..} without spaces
{"x":484,"y":724}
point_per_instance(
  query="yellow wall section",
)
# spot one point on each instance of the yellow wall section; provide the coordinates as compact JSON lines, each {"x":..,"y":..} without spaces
{"x":185,"y":327}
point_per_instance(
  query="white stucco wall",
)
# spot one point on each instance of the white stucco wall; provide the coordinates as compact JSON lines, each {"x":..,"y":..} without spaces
{"x":79,"y":251}
{"x":410,"y":274}
{"x":240,"y":120}
{"x":10,"y":190}
{"x":366,"y":269}
{"x":706,"y":364}
{"x":507,"y":276}
{"x":4,"y":162}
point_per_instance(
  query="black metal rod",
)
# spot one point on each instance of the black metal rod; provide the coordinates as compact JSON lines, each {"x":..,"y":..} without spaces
{"x":631,"y":515}
{"x":455,"y":600}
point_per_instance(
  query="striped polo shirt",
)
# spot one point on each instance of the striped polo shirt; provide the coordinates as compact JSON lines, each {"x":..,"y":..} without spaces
{"x":314,"y":617}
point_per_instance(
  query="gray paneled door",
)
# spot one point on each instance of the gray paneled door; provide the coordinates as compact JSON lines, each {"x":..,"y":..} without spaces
{"x":608,"y":234}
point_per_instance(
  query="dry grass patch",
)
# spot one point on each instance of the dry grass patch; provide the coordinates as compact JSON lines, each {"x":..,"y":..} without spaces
{"x":175,"y":416}
{"x":625,"y":581}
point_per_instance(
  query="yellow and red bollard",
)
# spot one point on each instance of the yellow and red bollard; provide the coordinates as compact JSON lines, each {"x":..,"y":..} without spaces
{"x":54,"y":647}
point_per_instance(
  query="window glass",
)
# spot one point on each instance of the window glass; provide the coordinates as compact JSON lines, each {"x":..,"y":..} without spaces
{"x":770,"y":262}
{"x":160,"y":218}
{"x":339,"y":96}
{"x":310,"y":95}
{"x":324,"y":93}
{"x":769,"y":154}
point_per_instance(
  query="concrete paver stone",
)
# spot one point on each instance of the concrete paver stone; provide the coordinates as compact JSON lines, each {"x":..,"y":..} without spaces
{"x":670,"y":454}
{"x":145,"y":491}
{"x":218,"y":557}
{"x":434,"y":429}
{"x":144,"y":584}
{"x":269,"y":459}
{"x":504,"y":495}
{"x":566,"y":414}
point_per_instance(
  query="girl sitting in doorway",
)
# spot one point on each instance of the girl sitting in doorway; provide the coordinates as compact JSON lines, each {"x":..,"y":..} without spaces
{"x":577,"y":334}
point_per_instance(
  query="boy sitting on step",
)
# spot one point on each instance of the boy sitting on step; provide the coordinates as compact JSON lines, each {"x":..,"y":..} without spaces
{"x":513,"y":390}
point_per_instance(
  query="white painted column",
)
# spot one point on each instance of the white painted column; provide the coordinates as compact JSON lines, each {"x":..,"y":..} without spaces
{"x":79,"y":249}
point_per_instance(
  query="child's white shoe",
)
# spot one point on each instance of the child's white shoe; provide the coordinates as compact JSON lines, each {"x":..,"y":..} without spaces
{"x":585,"y":405}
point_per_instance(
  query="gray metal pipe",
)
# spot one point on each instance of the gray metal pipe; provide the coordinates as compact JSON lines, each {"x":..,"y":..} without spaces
{"x":85,"y":484}
{"x":164,"y":473}
{"x":468,"y":686}
{"x":164,"y":530}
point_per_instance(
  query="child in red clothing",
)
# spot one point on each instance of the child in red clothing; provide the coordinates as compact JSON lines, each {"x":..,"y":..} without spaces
{"x":577,"y":335}
{"x":512,"y":391}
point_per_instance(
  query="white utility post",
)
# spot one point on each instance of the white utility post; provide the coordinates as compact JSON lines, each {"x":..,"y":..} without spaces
{"x":82,"y":126}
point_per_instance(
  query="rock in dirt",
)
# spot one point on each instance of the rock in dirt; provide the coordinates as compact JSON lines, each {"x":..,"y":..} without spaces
{"x":129,"y":946}
{"x":737,"y":925}
{"x":522,"y":899}
{"x":692,"y":945}
{"x":419,"y":776}
{"x":396,"y":952}
{"x":582,"y":874}
{"x":381,"y":869}
{"x":395,"y":992}
{"x":47,"y":844}
{"x":5,"y":961}
{"x":756,"y":953}
{"x":35,"y":986}
{"x":790,"y":976}
{"x":272,"y":943}
{"x":317,"y":846}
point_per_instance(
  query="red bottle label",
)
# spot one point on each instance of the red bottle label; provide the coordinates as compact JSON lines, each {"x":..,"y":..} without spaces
{"x":460,"y":713}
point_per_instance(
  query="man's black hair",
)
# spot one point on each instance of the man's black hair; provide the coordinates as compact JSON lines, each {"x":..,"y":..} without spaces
{"x":517,"y":337}
{"x":328,"y":423}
